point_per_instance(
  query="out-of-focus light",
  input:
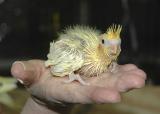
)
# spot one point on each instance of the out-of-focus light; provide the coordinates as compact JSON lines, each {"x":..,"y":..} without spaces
{"x":1,"y":1}
{"x":3,"y":30}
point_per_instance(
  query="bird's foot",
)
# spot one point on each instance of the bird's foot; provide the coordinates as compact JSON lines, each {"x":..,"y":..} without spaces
{"x":113,"y":67}
{"x":48,"y":63}
{"x":77,"y":77}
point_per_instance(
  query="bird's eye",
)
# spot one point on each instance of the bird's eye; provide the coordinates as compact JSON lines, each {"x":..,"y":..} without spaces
{"x":105,"y":42}
{"x":102,"y":41}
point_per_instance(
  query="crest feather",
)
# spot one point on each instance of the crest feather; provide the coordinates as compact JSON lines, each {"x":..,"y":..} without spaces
{"x":113,"y":32}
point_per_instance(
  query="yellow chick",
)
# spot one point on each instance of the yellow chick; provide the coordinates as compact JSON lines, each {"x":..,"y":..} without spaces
{"x":81,"y":50}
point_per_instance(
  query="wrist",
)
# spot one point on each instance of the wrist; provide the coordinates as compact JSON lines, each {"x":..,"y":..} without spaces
{"x":31,"y":107}
{"x":36,"y":106}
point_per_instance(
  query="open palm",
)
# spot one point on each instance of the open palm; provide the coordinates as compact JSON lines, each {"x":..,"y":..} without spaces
{"x":103,"y":89}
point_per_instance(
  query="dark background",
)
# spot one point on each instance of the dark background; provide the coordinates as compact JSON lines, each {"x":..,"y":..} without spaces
{"x":27,"y":27}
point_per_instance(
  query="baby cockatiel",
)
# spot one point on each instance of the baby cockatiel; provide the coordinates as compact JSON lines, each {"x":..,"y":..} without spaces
{"x":83,"y":51}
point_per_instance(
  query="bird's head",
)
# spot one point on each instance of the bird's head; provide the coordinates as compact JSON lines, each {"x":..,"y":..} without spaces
{"x":111,"y":39}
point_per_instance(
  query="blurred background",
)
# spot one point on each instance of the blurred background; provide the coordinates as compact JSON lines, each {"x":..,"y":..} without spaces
{"x":28,"y":26}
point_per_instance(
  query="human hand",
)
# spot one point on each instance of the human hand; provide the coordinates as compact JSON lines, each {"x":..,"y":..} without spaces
{"x":103,"y":89}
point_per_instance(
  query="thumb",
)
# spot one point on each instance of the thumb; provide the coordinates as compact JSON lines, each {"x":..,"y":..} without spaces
{"x":27,"y":72}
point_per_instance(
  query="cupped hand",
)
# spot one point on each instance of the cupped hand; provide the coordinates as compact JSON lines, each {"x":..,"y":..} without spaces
{"x":103,"y":89}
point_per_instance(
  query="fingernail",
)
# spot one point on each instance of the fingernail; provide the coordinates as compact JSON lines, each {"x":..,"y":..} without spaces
{"x":18,"y":69}
{"x":20,"y":81}
{"x":19,"y":62}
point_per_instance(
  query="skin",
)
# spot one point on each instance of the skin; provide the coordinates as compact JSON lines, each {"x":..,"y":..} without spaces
{"x":103,"y":89}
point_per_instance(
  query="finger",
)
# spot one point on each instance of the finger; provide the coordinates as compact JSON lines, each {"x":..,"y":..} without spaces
{"x":130,"y":81}
{"x":28,"y":72}
{"x":128,"y":67}
{"x":106,"y":95}
{"x":139,"y":73}
{"x":133,"y":69}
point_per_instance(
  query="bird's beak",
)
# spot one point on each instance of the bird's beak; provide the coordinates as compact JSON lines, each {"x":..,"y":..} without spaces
{"x":114,"y":49}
